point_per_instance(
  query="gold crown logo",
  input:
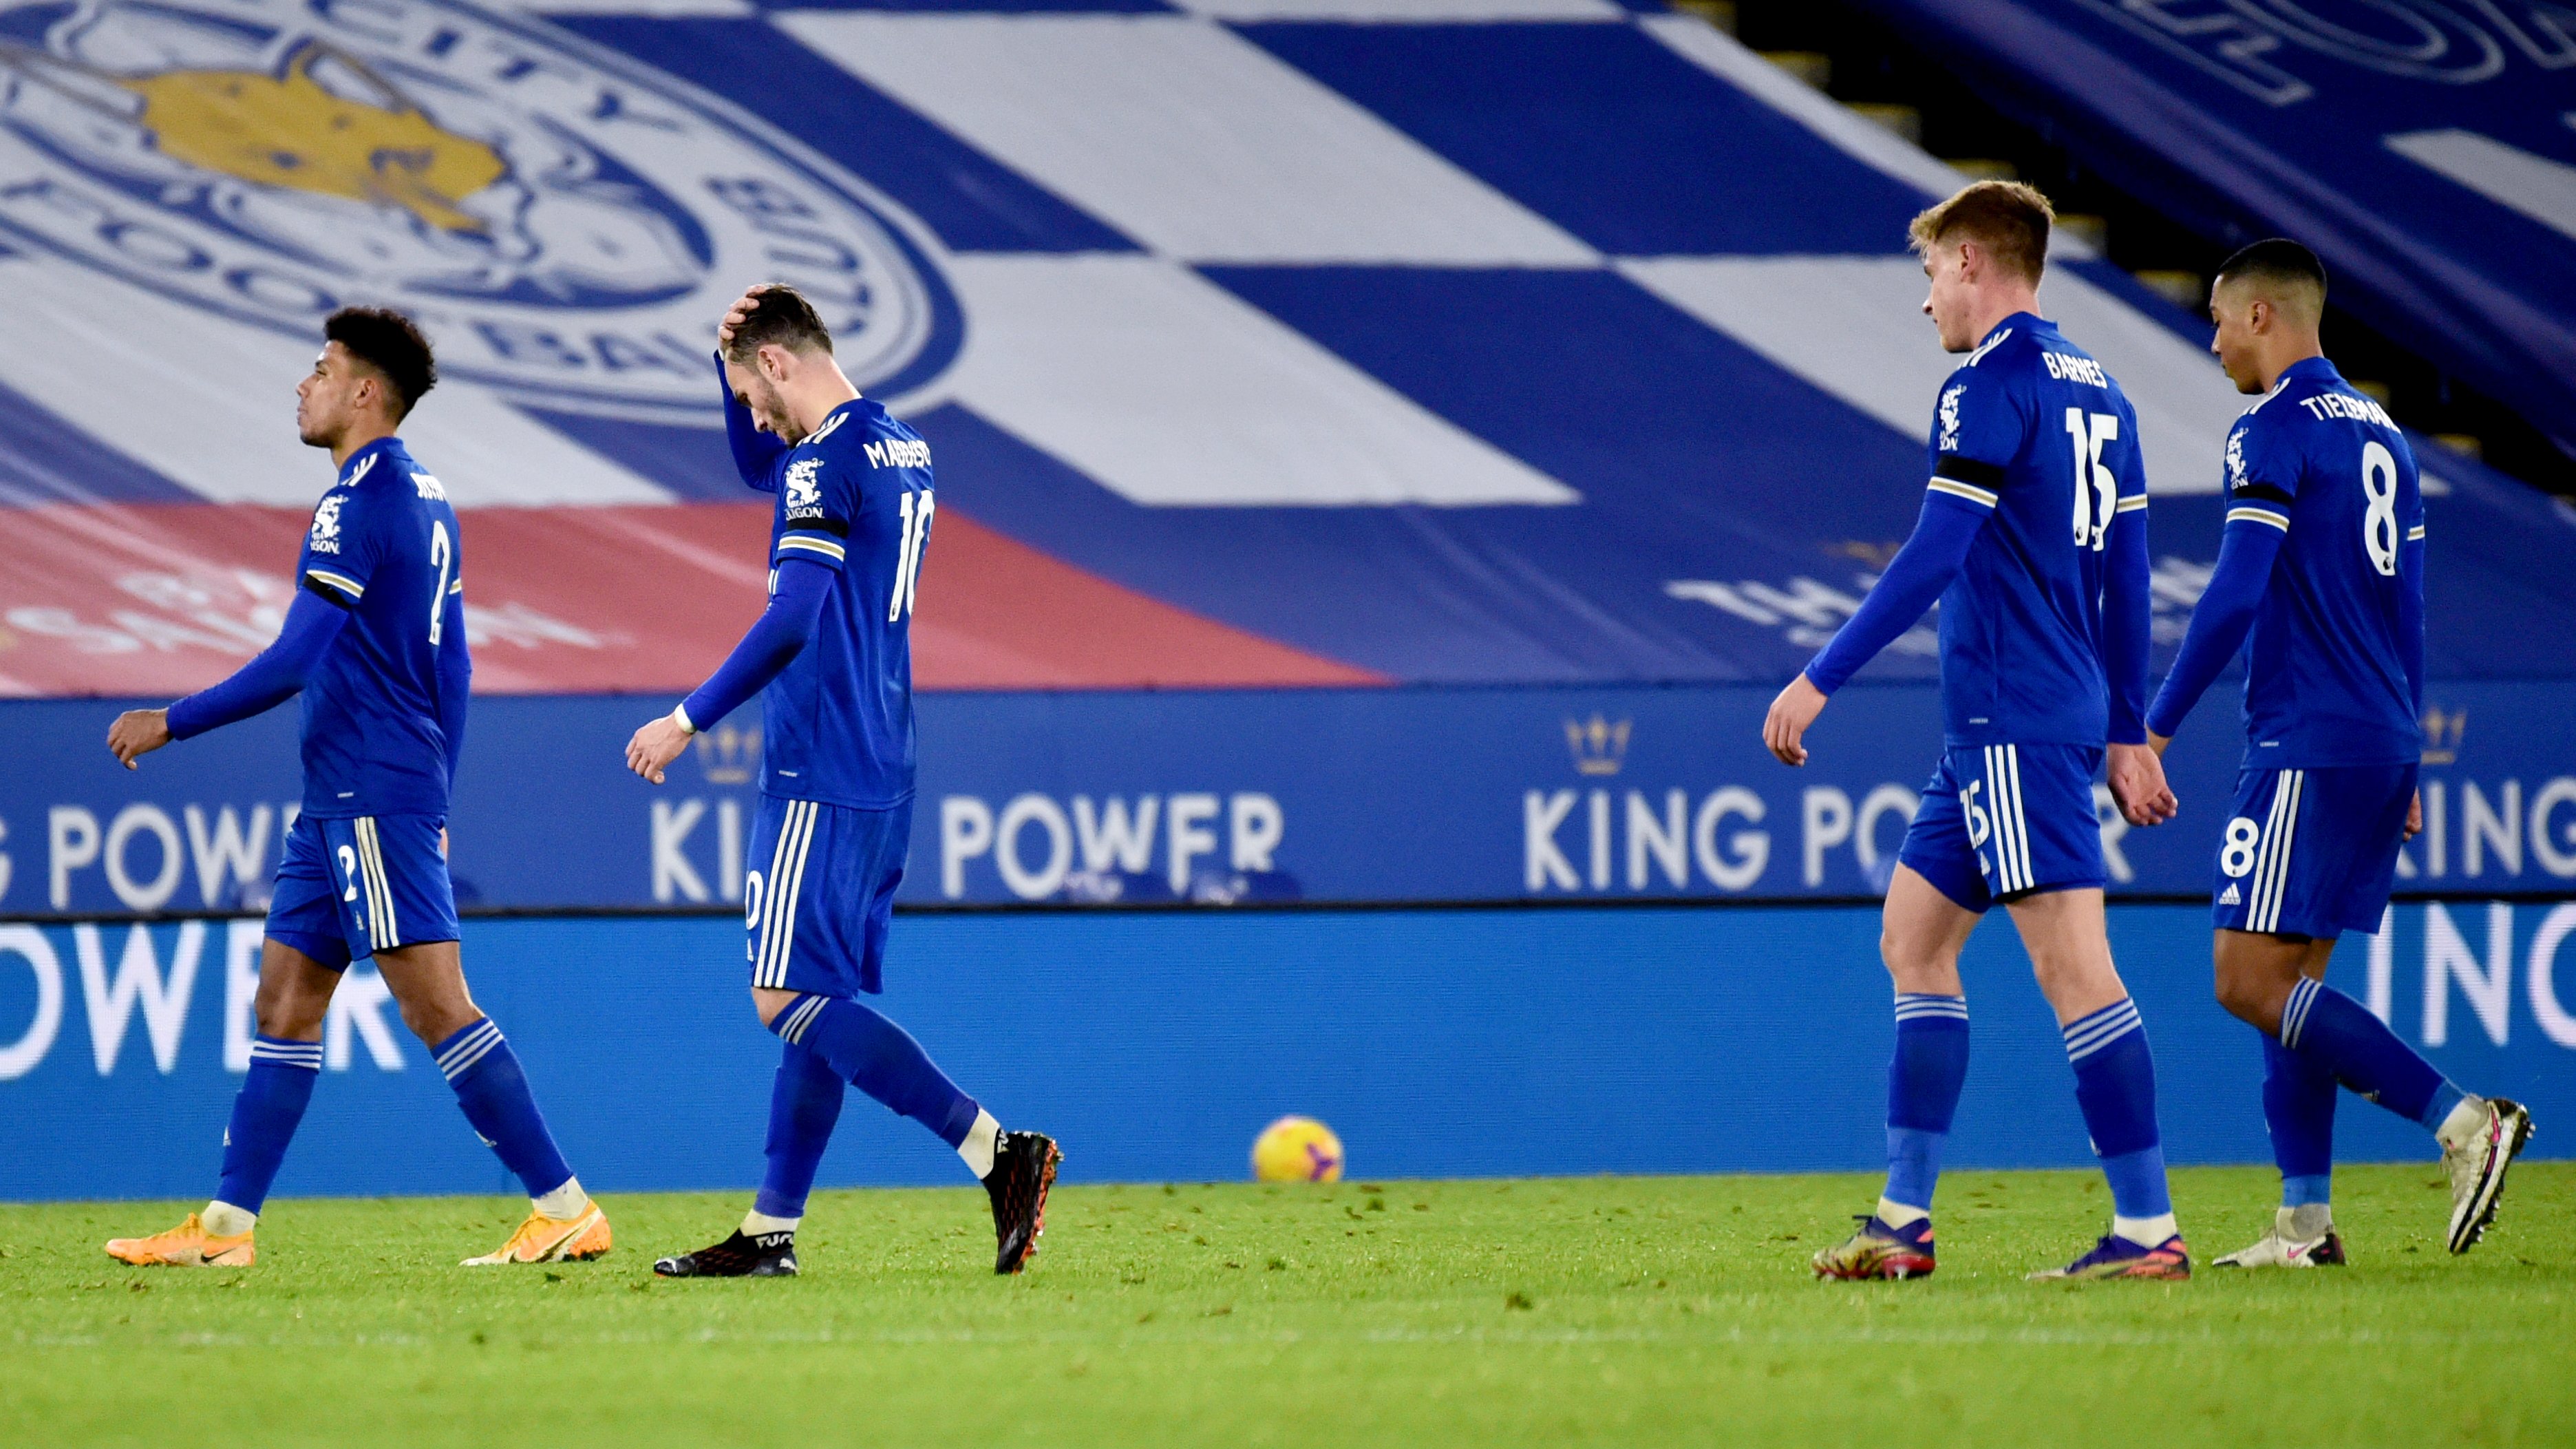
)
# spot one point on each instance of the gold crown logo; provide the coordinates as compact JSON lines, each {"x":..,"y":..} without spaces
{"x":1599,"y":747}
{"x":727,"y":755}
{"x":2442,"y":734}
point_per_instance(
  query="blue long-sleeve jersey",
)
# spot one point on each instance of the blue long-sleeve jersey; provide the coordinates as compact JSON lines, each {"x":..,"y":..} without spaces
{"x":2320,"y":580}
{"x":385,"y":688}
{"x":2033,"y":537}
{"x":834,"y":673}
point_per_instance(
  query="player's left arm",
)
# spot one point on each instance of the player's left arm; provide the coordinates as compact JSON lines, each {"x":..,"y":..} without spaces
{"x":2410,"y":610}
{"x":2136,"y":774}
{"x":2410,"y":581}
{"x":455,"y":675}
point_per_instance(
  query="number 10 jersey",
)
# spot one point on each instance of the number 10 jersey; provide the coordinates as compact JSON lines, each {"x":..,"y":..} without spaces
{"x":855,"y":497}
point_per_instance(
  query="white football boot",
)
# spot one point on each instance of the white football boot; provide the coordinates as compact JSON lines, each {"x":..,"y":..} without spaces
{"x":2291,"y":1244}
{"x":2479,"y":1142}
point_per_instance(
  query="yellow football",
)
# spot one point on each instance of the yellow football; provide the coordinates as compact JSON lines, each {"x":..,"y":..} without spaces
{"x":1297,"y":1149}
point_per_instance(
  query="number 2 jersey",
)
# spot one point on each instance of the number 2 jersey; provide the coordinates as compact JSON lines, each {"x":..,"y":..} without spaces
{"x":2336,"y":646}
{"x":377,"y":718}
{"x":2031,"y":429}
{"x":854,"y":496}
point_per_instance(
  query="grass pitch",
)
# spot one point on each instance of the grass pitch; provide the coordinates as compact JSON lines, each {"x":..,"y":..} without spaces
{"x":1600,"y":1310}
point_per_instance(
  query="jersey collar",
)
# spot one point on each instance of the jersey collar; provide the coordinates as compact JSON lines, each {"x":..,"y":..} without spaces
{"x":2022,"y":322}
{"x":2309,"y":369}
{"x":367,"y":459}
{"x":833,"y":419}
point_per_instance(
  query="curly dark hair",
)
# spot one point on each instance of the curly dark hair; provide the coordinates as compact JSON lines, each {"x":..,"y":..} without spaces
{"x":780,"y":317}
{"x":391,"y":343}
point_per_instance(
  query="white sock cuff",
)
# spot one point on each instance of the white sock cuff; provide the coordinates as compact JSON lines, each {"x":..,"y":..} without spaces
{"x":564,"y":1202}
{"x":2146,"y":1232}
{"x":224,"y":1220}
{"x":981,"y":1140}
{"x":758,"y":1224}
{"x":2466,"y":1116}
{"x":1896,"y":1214}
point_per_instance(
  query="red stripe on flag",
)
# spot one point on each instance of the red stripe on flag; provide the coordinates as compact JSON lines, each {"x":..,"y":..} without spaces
{"x":155,"y":600}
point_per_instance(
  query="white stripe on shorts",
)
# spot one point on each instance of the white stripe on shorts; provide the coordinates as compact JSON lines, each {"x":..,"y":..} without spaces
{"x":786,"y":885}
{"x":2272,"y":861}
{"x":381,"y":926}
{"x":2004,"y":814}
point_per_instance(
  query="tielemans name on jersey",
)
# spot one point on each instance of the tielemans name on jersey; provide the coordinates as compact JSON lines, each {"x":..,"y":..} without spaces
{"x":2347,"y":405}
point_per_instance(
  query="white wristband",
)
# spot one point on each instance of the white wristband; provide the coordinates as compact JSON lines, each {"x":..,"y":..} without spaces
{"x":680,"y":717}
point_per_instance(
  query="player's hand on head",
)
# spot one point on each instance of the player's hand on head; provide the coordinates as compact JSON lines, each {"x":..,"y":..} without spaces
{"x":2138,"y":785}
{"x":1784,"y":729}
{"x":136,"y":733}
{"x":740,"y":311}
{"x":655,"y":746}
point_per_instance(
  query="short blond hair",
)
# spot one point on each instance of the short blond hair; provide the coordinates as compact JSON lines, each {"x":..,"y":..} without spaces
{"x":2010,"y":219}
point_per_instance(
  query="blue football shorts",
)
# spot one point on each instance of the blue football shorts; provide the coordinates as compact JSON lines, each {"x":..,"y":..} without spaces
{"x":819,"y":895}
{"x":2312,"y":852}
{"x":350,"y":888}
{"x":1999,"y":822}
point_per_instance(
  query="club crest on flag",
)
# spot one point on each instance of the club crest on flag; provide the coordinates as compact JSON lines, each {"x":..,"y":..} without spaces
{"x":564,"y":221}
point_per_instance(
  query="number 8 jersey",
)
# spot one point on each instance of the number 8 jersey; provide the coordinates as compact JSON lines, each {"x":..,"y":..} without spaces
{"x":2339,"y":630}
{"x":854,"y":496}
{"x":2031,"y":428}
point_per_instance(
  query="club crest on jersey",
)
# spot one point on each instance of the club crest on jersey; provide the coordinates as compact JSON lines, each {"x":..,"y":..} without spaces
{"x":1950,"y":418}
{"x":804,"y":488}
{"x":326,"y":523}
{"x":2236,"y":458}
{"x":564,"y":220}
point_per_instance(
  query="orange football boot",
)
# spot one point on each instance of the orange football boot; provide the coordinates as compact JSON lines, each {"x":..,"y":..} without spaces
{"x":188,"y":1245}
{"x":542,"y":1239}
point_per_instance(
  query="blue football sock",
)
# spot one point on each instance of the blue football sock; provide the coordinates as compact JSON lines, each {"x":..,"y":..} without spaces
{"x":879,"y":1058}
{"x":272,"y":1100}
{"x":2340,"y":1035}
{"x":2298,"y":1109}
{"x":1923,"y":1082}
{"x":2115,"y":1084}
{"x":493,"y":1090}
{"x":804,"y":1105}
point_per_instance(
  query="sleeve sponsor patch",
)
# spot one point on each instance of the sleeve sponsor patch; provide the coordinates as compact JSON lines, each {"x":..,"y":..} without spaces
{"x":325,"y":537}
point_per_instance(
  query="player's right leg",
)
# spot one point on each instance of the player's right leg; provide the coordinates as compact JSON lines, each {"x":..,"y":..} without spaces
{"x":818,"y":914}
{"x":299,"y":968}
{"x":2313,"y":853}
{"x":2298,"y":1104}
{"x":1923,"y":927}
{"x":2044,"y":859}
{"x":401,"y":908}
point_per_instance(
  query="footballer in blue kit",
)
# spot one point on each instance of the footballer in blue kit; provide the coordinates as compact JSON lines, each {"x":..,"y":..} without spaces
{"x":374,"y":645}
{"x":2032,"y":537}
{"x":2320,"y":585}
{"x":831,"y":659}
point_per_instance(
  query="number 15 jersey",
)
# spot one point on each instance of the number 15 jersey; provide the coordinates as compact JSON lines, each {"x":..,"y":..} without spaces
{"x":854,"y":496}
{"x":2031,"y":429}
{"x":2340,"y":626}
